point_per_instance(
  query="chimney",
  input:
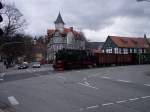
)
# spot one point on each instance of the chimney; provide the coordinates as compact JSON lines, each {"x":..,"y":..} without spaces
{"x":71,"y":28}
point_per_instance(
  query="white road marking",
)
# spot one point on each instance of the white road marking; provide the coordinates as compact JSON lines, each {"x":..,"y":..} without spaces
{"x":88,"y":85}
{"x":2,"y":75}
{"x":1,"y":79}
{"x":144,"y":97}
{"x":112,"y":103}
{"x":133,"y":99}
{"x":78,"y":71}
{"x":123,"y":101}
{"x":105,"y":77}
{"x":147,"y":84}
{"x":124,"y":81}
{"x":106,"y":104}
{"x":61,"y":77}
{"x":13,"y":100}
{"x":92,"y":107}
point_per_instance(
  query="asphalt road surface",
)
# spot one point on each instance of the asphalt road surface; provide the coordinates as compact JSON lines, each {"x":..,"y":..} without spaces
{"x":112,"y":89}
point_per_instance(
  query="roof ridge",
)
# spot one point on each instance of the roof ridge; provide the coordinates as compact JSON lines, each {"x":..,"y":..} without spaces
{"x":126,"y":37}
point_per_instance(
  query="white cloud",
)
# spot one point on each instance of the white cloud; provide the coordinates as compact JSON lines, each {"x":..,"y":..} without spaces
{"x":97,"y":18}
{"x":122,"y":26}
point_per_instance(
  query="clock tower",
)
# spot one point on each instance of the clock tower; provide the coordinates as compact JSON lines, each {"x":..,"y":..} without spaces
{"x":59,"y":23}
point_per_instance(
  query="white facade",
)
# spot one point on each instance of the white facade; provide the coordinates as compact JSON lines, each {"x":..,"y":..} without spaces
{"x":59,"y":27}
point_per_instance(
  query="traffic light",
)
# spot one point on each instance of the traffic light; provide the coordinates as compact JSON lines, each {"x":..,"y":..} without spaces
{"x":1,"y":19}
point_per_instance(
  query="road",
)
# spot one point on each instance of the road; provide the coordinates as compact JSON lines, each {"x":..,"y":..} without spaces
{"x":112,"y":89}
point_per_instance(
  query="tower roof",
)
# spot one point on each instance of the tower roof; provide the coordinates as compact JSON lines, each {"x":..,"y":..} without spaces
{"x":59,"y":19}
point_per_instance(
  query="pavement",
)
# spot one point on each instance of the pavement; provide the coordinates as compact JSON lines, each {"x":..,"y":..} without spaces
{"x":111,"y":89}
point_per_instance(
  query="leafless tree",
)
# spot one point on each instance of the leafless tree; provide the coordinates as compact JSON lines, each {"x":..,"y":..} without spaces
{"x":13,"y":20}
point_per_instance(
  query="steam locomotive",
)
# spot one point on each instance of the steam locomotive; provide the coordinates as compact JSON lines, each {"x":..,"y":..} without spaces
{"x":67,"y":59}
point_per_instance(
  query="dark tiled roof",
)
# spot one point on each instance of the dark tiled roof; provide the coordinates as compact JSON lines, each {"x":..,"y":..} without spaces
{"x":59,"y":19}
{"x":129,"y":42}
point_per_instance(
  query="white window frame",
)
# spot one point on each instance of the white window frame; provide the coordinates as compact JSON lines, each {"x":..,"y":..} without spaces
{"x":116,"y":50}
{"x":135,"y":50}
{"x":131,"y":50}
{"x":125,"y":51}
{"x":119,"y":50}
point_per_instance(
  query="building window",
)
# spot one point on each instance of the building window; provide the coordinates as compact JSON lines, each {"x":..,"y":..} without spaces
{"x":125,"y":51}
{"x":116,"y":50}
{"x":140,"y":50}
{"x":130,"y":50}
{"x":109,"y":50}
{"x":144,"y":50}
{"x":106,"y":50}
{"x":135,"y":50}
{"x":119,"y":50}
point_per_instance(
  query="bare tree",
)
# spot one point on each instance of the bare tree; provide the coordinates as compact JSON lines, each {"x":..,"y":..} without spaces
{"x":13,"y":20}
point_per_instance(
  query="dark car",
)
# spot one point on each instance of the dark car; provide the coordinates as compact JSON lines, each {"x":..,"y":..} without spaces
{"x":23,"y":66}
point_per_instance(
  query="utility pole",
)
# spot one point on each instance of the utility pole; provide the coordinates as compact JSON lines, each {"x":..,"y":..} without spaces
{"x":1,"y":19}
{"x":1,"y":31}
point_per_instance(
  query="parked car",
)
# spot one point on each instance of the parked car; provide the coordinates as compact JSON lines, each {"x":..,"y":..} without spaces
{"x":36,"y":65}
{"x":24,"y":65}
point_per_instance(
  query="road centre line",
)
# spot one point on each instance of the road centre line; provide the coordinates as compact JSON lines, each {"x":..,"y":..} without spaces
{"x":123,"y":81}
{"x":13,"y":100}
{"x":106,"y":104}
{"x":144,"y":97}
{"x":147,"y":84}
{"x":113,"y":103}
{"x":92,"y":107}
{"x":104,"y":77}
{"x":133,"y":99}
{"x":122,"y":101}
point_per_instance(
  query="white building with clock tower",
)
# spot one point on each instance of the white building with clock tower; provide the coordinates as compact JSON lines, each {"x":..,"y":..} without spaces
{"x":62,"y":37}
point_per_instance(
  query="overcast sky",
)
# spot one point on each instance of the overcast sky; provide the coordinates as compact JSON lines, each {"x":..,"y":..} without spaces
{"x":96,"y":18}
